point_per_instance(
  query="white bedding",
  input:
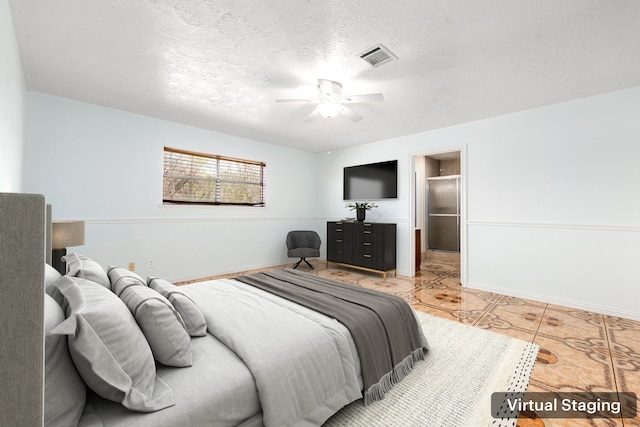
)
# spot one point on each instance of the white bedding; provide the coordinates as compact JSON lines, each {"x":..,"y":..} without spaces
{"x":273,"y":363}
{"x":303,"y":362}
{"x":218,"y":390}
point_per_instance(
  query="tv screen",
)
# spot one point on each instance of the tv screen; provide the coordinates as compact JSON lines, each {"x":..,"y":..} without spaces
{"x":371,"y":182}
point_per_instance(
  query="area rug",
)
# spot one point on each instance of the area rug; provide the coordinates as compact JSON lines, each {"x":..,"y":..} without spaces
{"x":453,"y":385}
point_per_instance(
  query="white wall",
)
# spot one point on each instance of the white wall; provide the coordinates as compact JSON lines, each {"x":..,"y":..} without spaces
{"x":105,"y":167}
{"x":552,"y":200}
{"x":553,"y":204}
{"x":12,"y":89}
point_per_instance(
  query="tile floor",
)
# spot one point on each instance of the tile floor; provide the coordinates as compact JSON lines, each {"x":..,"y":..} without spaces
{"x":579,"y":350}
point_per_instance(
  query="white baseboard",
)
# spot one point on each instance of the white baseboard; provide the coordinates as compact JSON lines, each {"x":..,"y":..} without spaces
{"x":608,"y":311}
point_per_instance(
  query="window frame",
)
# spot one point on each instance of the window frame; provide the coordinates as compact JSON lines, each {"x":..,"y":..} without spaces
{"x":217,"y":157}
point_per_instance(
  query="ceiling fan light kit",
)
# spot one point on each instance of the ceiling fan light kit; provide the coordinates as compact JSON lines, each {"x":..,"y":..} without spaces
{"x":331,"y":102}
{"x":330,"y":109}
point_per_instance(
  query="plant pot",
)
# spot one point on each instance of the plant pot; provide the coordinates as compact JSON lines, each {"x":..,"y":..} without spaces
{"x":361,"y":213}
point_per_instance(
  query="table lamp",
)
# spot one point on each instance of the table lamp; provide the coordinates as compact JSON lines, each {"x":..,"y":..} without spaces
{"x":65,"y":234}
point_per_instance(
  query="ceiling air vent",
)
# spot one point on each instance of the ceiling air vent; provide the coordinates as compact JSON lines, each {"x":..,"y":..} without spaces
{"x":377,"y":55}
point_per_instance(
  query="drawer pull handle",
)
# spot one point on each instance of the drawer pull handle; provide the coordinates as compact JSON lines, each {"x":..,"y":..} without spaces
{"x":367,"y":232}
{"x":338,"y":229}
{"x":367,"y":244}
{"x":367,"y":256}
{"x":367,"y":225}
{"x":339,"y":241}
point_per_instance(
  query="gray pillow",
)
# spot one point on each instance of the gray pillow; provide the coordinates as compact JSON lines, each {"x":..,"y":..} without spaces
{"x":107,"y":347}
{"x":188,"y":309}
{"x":160,"y":323}
{"x":86,"y":268}
{"x":65,"y":393}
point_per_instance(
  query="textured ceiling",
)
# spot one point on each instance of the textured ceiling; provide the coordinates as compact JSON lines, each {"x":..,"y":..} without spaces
{"x":221,"y":65}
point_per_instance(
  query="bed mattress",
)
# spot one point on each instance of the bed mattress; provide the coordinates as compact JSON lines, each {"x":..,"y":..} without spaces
{"x":217,"y":390}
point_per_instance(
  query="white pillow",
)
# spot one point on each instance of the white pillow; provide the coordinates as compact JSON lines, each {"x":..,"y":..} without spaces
{"x":86,"y":268}
{"x":108,"y":349}
{"x":51,"y":275}
{"x":115,"y":274}
{"x":65,"y":393}
{"x":191,"y":314}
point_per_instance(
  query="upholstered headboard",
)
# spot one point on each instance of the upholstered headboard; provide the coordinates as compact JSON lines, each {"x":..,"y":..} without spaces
{"x":22,"y":256}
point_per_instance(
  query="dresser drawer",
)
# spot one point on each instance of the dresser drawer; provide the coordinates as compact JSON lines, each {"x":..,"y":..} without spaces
{"x":336,"y":242}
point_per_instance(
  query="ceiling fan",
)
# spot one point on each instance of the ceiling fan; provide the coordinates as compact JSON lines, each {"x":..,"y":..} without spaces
{"x":331,"y":102}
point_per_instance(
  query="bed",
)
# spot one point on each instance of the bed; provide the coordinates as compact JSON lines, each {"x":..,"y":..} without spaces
{"x":272,"y":348}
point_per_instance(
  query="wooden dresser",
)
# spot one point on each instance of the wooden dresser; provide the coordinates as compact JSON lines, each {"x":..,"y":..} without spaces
{"x":365,"y":245}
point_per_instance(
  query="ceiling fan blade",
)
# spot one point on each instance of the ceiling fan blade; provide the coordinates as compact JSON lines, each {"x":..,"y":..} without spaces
{"x":315,"y":114}
{"x":369,"y":97}
{"x":353,"y":116}
{"x":294,"y":101}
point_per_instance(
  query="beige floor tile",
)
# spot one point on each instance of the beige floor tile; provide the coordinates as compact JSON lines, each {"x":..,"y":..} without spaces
{"x":509,"y":300}
{"x":627,"y":380}
{"x":633,"y":388}
{"x":572,"y":324}
{"x":632,"y":422}
{"x":508,"y":313}
{"x":564,"y":422}
{"x":465,"y":300}
{"x":564,"y":368}
{"x":625,"y":334}
{"x":431,"y":297}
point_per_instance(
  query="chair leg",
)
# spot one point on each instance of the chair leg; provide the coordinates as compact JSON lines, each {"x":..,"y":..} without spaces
{"x":305,"y":260}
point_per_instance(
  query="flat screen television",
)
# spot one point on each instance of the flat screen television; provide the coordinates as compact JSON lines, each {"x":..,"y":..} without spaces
{"x":373,"y":181}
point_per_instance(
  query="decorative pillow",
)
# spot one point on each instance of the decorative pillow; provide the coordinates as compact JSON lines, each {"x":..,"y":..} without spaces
{"x":188,"y":309}
{"x":159,"y":321}
{"x":115,"y":274}
{"x":64,"y":391}
{"x":86,"y":268}
{"x":51,"y":275}
{"x":108,"y":349}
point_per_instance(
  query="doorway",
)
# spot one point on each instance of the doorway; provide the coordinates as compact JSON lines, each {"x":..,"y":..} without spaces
{"x":438,"y":210}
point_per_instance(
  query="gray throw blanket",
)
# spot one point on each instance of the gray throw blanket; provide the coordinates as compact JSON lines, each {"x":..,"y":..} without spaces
{"x":384,"y":328}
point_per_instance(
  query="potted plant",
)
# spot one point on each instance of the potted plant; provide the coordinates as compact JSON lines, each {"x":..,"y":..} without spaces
{"x":361,"y":208}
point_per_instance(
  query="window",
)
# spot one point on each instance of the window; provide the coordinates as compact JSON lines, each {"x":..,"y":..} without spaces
{"x":197,"y":178}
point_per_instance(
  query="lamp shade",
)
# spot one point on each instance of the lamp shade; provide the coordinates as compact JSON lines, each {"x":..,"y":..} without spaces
{"x":65,"y":234}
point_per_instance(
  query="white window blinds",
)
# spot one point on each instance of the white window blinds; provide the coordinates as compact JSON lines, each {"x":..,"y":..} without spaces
{"x":198,"y":178}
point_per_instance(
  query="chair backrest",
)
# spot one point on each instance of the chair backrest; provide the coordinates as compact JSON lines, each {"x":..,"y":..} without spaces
{"x":303,"y":239}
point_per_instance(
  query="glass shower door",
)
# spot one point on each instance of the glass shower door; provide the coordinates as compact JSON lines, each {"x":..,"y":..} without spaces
{"x":443,"y":213}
